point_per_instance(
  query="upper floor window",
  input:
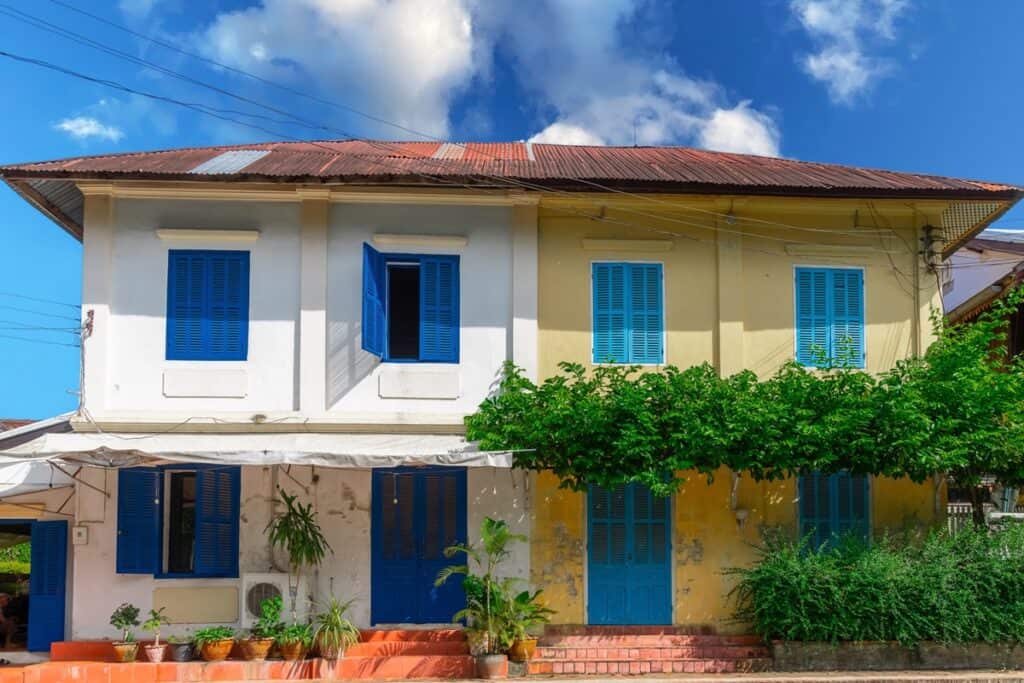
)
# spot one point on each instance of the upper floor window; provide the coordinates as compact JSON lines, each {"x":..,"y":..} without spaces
{"x":178,"y":520}
{"x":830,"y":317}
{"x":833,"y":506}
{"x":207,"y":305}
{"x":411,"y":306}
{"x":628,"y":314}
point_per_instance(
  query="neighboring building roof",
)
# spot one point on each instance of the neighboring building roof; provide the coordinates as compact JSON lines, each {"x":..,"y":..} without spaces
{"x":7,"y":423}
{"x":522,"y":164}
{"x":995,"y":239}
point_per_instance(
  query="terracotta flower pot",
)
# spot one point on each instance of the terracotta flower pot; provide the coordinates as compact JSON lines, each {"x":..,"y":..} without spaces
{"x":217,"y":651}
{"x":181,"y":652}
{"x":256,"y":649}
{"x":329,"y":651}
{"x":125,"y":652}
{"x":292,"y":651}
{"x":155,"y":653}
{"x":523,"y":650}
{"x":492,"y":666}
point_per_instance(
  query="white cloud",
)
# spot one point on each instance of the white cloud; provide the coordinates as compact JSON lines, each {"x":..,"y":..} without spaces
{"x":402,"y":60}
{"x":844,"y":31}
{"x":85,"y":127}
{"x":567,"y":134}
{"x":138,"y":9}
{"x":741,"y":129}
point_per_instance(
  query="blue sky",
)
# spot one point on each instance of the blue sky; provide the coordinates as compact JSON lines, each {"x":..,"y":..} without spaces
{"x":900,"y":84}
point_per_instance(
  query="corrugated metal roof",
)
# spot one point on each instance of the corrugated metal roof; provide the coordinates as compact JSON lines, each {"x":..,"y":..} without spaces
{"x":664,"y":169}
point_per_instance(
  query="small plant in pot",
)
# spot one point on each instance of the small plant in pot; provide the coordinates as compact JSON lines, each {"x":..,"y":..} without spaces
{"x":155,"y":650}
{"x":124,"y":619}
{"x":525,"y":612}
{"x":487,"y":595}
{"x":333,"y":633}
{"x":214,"y":643}
{"x":180,"y":648}
{"x":261,"y":638}
{"x":297,"y":531}
{"x":294,"y":640}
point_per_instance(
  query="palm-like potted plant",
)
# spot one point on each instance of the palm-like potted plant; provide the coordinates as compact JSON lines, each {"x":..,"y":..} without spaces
{"x":298,"y":532}
{"x":124,"y":619}
{"x":294,"y":640}
{"x":525,"y":612}
{"x":214,"y":643}
{"x":333,"y":633}
{"x":181,"y":647}
{"x":487,"y":595}
{"x":153,"y":624}
{"x":261,"y":637}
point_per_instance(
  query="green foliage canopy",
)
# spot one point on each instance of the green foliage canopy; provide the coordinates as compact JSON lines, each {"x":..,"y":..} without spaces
{"x":958,"y":410}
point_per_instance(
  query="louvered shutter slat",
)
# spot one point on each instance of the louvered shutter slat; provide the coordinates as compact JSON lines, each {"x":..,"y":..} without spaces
{"x":207,"y":305}
{"x":439,"y":309}
{"x":645,"y":312}
{"x":138,"y":520}
{"x":217,"y":516}
{"x":609,"y":311}
{"x":848,"y":317}
{"x":812,"y":329}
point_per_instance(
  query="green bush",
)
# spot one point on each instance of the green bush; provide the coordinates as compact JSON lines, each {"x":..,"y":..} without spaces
{"x":952,"y":589}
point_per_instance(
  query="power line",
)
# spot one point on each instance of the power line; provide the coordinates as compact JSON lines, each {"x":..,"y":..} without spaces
{"x":38,"y":341}
{"x":43,"y":24}
{"x":39,"y":313}
{"x":39,"y":300}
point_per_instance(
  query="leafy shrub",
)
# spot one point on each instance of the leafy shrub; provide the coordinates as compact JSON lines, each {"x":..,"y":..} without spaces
{"x":966,"y":587}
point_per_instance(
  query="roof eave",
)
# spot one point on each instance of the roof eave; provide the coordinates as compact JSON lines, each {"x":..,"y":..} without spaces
{"x":45,"y":206}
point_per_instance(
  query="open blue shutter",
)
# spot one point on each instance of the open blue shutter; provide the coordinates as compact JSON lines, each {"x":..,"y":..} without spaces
{"x":217,"y":514}
{"x":47,"y":584}
{"x":138,"y":520}
{"x":227,"y":302}
{"x":373,"y":301}
{"x":812,"y":324}
{"x":439,"y":309}
{"x":847,"y":304}
{"x":646,"y":313}
{"x":186,"y":283}
{"x":609,"y":311}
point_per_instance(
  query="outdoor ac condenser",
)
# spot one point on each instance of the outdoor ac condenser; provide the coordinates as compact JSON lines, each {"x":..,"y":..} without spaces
{"x":258,"y":587}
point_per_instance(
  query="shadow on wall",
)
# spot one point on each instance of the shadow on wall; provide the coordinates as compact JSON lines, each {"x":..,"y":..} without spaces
{"x":347,"y":363}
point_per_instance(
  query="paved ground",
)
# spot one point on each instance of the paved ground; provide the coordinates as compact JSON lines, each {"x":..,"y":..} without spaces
{"x":810,"y":677}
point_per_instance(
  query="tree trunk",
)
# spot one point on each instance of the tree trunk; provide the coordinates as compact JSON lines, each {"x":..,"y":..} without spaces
{"x":978,"y":506}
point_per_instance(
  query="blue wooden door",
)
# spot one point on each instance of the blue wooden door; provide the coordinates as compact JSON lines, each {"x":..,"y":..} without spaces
{"x":629,"y":570}
{"x":417,"y":513}
{"x":47,"y":584}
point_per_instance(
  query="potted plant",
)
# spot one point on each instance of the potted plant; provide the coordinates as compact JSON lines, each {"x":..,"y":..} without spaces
{"x":181,"y":648}
{"x":124,"y":618}
{"x":294,"y":640}
{"x":333,"y":633}
{"x":298,"y":532}
{"x":525,"y":612}
{"x":487,"y":596}
{"x":155,"y":650}
{"x":214,"y":643}
{"x":261,"y":637}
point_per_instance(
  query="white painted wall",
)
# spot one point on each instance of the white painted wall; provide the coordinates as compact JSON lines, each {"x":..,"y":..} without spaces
{"x":138,"y":384}
{"x":342,"y":501}
{"x":973,"y":270}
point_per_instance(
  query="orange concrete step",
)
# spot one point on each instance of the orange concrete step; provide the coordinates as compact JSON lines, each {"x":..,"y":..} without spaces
{"x":414,"y":635}
{"x":653,"y":651}
{"x":635,"y":667}
{"x":444,"y":667}
{"x":392,"y":648}
{"x":648,"y":640}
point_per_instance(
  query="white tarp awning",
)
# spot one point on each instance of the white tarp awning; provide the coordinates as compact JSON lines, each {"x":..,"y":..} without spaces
{"x":323,"y":450}
{"x":24,"y":476}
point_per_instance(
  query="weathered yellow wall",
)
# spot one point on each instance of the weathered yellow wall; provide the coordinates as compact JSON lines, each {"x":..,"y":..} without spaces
{"x":729,"y":302}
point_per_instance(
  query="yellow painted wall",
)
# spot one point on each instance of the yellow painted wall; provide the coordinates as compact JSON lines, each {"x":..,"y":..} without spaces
{"x":729,"y":302}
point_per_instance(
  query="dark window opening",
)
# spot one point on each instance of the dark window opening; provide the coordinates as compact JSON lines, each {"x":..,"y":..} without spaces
{"x":1016,"y":336}
{"x":181,"y":522}
{"x":403,"y":312}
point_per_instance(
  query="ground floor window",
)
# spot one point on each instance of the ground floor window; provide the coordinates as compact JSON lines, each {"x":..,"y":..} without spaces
{"x":832,"y":506}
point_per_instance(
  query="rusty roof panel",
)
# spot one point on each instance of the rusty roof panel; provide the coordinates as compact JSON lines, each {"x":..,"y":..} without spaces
{"x":667,"y":169}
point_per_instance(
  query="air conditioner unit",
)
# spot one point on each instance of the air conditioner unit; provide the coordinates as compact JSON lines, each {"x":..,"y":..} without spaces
{"x":258,"y":587}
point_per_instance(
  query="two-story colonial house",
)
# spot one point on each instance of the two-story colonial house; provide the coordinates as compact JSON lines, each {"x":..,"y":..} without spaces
{"x":321,"y":317}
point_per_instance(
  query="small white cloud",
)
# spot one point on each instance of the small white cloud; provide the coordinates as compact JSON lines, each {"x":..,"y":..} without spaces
{"x":85,"y":127}
{"x":138,"y":9}
{"x":743,"y":130}
{"x":843,"y":31}
{"x":559,"y":133}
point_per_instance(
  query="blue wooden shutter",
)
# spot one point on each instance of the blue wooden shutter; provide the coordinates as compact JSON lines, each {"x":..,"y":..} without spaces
{"x":227,"y":303}
{"x":138,"y":520}
{"x":645,"y":313}
{"x":217,"y":514}
{"x":847,"y":313}
{"x":609,"y":311}
{"x":815,"y":508}
{"x":186,"y":284}
{"x":851,"y":505}
{"x":608,"y":549}
{"x":439,"y":309}
{"x":207,"y":305}
{"x":374,"y":325}
{"x":812,"y":316}
{"x":47,"y":584}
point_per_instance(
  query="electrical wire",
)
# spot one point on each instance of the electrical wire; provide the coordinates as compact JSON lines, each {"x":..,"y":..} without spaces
{"x":37,"y":341}
{"x":39,"y":313}
{"x":39,"y":300}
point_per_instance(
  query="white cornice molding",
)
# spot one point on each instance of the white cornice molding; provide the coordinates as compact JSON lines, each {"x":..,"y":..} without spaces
{"x":201,"y":235}
{"x":440,"y":241}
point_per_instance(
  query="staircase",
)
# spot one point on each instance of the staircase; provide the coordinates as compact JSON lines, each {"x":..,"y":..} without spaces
{"x":398,"y":654}
{"x":596,"y":650}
